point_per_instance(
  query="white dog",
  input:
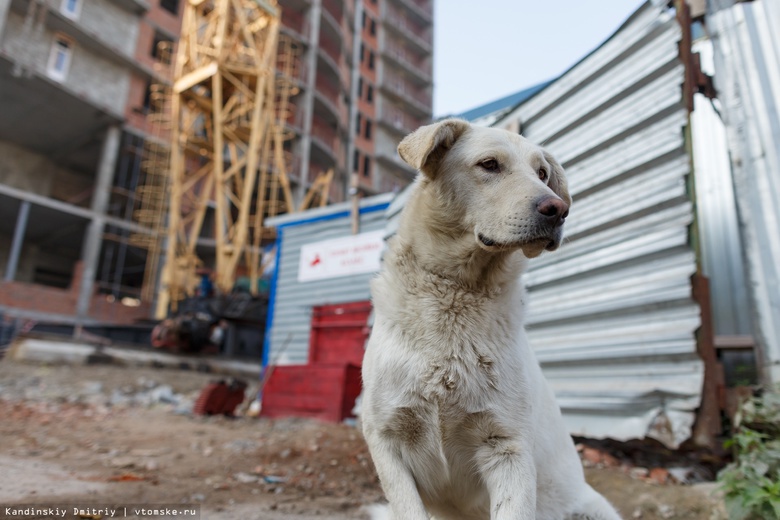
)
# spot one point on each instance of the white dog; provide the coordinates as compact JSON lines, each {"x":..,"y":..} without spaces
{"x":459,"y":420}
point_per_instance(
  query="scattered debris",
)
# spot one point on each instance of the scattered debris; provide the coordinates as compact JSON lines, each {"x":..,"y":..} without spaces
{"x":639,"y":473}
{"x":659,"y":475}
{"x":682,"y":475}
{"x":241,"y":446}
{"x":246,"y":478}
{"x":122,"y":462}
{"x":301,"y":468}
{"x":648,"y":462}
{"x":126,"y":477}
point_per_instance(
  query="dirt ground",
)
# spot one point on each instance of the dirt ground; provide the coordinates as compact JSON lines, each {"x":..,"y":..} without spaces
{"x":108,"y":435}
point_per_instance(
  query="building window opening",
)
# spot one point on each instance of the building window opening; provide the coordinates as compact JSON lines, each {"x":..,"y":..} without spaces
{"x":59,"y":58}
{"x":52,"y":277}
{"x":366,"y":166}
{"x":71,"y":8}
{"x":172,"y":6}
{"x":147,"y":103}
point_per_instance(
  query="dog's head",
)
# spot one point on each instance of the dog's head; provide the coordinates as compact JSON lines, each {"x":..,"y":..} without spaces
{"x":510,"y":193}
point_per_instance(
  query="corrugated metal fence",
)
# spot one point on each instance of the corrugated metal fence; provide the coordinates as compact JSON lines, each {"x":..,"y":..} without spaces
{"x":612,"y":315}
{"x":747,"y":76}
{"x":720,"y":243}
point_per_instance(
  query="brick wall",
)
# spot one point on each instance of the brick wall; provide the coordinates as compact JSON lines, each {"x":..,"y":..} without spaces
{"x":168,"y":25}
{"x":40,"y":298}
{"x":135,"y":115}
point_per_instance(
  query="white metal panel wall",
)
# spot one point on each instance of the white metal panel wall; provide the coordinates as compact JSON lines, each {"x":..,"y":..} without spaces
{"x":719,"y":237}
{"x":611,"y":314}
{"x":290,"y":308}
{"x":747,"y":77}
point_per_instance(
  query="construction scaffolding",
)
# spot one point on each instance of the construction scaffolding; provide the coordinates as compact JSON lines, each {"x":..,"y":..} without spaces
{"x":223,"y":160}
{"x":152,"y":195}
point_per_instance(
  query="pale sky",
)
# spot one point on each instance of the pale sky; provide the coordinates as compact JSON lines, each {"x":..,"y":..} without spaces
{"x":487,"y":49}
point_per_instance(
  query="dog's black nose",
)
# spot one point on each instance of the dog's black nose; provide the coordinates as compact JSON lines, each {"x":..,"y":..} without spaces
{"x":553,"y":209}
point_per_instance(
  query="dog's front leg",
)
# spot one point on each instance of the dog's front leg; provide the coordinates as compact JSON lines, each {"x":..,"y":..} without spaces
{"x":510,"y":477}
{"x":397,"y":480}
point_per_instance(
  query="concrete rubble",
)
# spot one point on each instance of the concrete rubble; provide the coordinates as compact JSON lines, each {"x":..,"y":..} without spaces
{"x":145,"y":393}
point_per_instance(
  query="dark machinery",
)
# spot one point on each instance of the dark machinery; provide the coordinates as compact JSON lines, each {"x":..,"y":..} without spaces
{"x":232,"y":325}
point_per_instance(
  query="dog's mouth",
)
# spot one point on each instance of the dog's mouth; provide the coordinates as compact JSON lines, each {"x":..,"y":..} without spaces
{"x":487,"y":241}
{"x":532,"y":247}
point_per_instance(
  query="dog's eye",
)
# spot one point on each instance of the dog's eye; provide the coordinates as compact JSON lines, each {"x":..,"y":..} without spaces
{"x":490,"y":165}
{"x":542,"y":173}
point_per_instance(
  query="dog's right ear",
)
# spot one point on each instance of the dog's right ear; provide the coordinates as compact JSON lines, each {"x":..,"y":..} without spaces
{"x":424,"y":148}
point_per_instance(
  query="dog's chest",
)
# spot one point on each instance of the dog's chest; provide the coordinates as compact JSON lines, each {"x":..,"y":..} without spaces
{"x":463,"y":349}
{"x":466,"y":369}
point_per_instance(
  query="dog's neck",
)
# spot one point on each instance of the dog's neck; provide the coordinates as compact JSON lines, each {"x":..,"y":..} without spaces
{"x":446,"y":249}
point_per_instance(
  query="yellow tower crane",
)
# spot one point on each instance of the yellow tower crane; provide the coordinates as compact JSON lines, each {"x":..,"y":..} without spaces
{"x":224,"y":114}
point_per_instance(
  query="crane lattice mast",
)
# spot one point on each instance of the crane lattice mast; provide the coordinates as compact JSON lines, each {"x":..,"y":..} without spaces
{"x":228,"y":106}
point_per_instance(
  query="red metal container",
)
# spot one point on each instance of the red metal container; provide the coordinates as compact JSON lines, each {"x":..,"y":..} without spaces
{"x":325,"y":392}
{"x":220,"y":398}
{"x":339,"y":333}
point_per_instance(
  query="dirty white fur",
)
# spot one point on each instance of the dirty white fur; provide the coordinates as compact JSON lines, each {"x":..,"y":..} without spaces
{"x":459,"y":420}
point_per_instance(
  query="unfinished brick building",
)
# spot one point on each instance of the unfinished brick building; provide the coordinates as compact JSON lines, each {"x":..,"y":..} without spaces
{"x":74,"y":99}
{"x":73,"y":76}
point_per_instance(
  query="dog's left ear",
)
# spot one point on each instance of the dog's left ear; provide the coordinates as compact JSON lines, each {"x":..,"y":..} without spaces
{"x":424,"y":148}
{"x":558,"y":179}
